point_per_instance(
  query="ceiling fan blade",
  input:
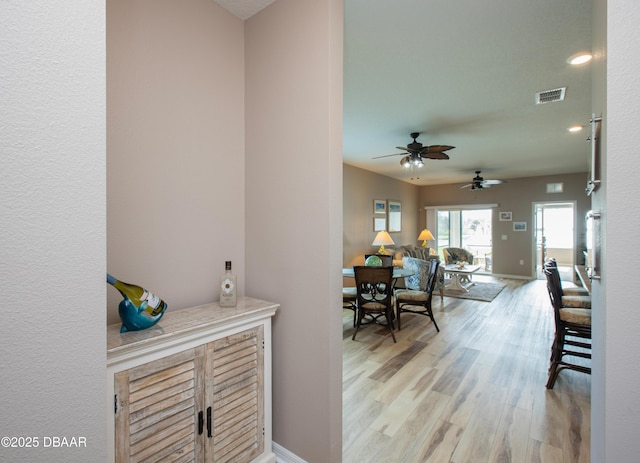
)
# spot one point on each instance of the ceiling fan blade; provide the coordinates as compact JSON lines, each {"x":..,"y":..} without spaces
{"x":389,"y":155}
{"x":494,"y":182}
{"x":466,"y":186}
{"x":402,"y":148}
{"x":435,"y":155}
{"x":434,"y":148}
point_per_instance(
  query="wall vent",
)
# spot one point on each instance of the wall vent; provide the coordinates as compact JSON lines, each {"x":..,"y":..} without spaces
{"x":549,"y":96}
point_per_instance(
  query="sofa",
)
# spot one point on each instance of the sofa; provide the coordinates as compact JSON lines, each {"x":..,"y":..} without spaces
{"x":409,"y":250}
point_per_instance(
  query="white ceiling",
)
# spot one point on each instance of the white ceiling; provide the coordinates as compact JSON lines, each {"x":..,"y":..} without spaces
{"x":463,"y":73}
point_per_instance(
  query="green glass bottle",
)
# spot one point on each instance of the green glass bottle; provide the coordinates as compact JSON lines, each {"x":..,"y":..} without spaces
{"x":138,"y":296}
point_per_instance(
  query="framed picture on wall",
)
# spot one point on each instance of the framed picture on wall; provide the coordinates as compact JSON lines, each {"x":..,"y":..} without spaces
{"x":519,"y":226}
{"x":395,"y":216}
{"x":505,"y":216}
{"x":379,"y":223}
{"x":379,"y":206}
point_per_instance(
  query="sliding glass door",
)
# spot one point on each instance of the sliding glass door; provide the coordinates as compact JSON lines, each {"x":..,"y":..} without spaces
{"x":466,"y":228}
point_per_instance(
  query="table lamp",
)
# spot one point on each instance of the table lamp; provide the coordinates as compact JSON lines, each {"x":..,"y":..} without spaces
{"x":382,"y":238}
{"x":424,"y":236}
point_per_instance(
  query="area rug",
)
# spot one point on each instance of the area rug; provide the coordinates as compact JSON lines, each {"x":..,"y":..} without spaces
{"x":479,"y":292}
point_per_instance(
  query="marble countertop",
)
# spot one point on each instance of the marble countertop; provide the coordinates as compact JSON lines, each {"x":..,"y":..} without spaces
{"x":190,"y":321}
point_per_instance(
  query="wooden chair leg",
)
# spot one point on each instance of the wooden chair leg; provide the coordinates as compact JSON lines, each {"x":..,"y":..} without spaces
{"x":360,"y":316}
{"x":390,"y":325}
{"x":398,"y":311}
{"x":556,"y":358}
{"x":430,"y":313}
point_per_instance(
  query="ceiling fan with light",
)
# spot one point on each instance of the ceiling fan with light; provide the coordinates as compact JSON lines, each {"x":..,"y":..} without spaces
{"x":417,"y":152}
{"x":479,"y":183}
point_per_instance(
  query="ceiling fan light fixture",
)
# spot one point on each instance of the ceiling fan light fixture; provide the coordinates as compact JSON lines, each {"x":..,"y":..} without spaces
{"x":405,"y":162}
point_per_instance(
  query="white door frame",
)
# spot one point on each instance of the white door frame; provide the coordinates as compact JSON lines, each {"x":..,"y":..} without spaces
{"x":535,"y":205}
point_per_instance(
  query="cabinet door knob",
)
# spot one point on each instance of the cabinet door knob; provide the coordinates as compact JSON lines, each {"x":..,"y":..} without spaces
{"x":200,"y":422}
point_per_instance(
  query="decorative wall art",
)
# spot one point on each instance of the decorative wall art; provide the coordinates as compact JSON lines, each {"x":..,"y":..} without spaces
{"x":379,"y":223}
{"x":519,"y":226}
{"x":395,"y":216}
{"x":379,"y":206}
{"x":505,"y":216}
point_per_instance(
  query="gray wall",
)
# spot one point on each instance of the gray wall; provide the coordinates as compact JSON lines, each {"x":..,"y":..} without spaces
{"x":516,"y":196}
{"x":294,"y":220}
{"x":175,"y":138}
{"x":207,"y":106}
{"x":360,"y":188}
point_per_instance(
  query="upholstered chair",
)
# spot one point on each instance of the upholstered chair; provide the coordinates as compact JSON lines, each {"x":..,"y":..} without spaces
{"x":419,"y":301}
{"x":572,"y":330}
{"x":349,"y":301}
{"x":418,"y":280}
{"x":571,"y":297}
{"x":453,"y":255}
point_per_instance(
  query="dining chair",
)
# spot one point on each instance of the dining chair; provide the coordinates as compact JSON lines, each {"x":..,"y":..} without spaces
{"x":420,"y":269}
{"x":419,"y":301}
{"x":572,"y":330}
{"x":571,"y":297}
{"x":387,"y":260}
{"x":374,"y":289}
{"x":349,"y":301}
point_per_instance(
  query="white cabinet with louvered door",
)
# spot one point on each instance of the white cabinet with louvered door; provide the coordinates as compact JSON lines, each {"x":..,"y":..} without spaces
{"x":196,"y":387}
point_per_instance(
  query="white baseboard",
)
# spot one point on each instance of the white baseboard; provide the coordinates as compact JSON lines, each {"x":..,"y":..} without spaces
{"x":514,"y":277}
{"x":285,"y":456}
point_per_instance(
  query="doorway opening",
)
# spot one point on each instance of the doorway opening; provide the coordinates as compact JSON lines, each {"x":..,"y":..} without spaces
{"x":554,"y":237}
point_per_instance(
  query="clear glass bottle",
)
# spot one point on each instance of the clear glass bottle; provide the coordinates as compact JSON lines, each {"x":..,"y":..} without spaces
{"x":228,"y":287}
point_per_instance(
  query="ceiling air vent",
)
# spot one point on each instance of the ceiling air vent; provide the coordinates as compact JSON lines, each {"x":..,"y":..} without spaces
{"x":549,"y":96}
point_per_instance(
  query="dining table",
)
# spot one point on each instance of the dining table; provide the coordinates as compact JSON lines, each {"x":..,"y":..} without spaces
{"x":398,"y":272}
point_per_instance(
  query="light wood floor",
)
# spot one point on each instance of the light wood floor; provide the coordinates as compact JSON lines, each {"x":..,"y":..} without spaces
{"x":475,"y":392}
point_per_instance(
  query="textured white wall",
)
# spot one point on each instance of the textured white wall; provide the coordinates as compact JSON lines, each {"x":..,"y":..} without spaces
{"x":52,"y":232}
{"x":621,"y":388}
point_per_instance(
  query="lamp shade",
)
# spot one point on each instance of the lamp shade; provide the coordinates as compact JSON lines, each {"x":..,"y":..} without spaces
{"x":424,"y":236}
{"x":382,"y":238}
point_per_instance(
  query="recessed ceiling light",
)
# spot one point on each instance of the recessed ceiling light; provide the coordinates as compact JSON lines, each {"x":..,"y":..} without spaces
{"x":580,"y":58}
{"x":575,"y":128}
